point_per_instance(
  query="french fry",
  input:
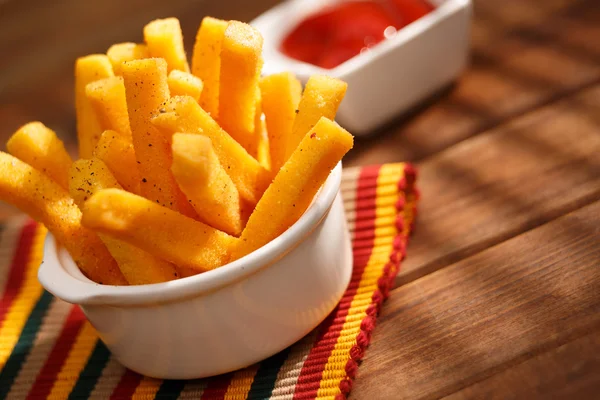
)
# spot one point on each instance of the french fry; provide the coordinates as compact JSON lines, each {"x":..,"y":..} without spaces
{"x":263,"y":155}
{"x":321,"y":98}
{"x":206,"y":61}
{"x":184,"y":84}
{"x":165,"y":40}
{"x":38,"y":146}
{"x":280,"y":98}
{"x":241,"y":64}
{"x":107,"y":97}
{"x":118,"y":154}
{"x":147,"y":91}
{"x":295,"y":185}
{"x":205,"y":183}
{"x":156,"y":229}
{"x":121,"y":52}
{"x":88,"y":69}
{"x":44,"y":200}
{"x":183,"y":114}
{"x":138,"y":267}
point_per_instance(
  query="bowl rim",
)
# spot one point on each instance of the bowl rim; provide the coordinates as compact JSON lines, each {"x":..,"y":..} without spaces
{"x":443,"y":10}
{"x":60,"y":276}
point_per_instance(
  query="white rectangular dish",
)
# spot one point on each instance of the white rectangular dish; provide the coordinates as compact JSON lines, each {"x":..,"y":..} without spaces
{"x":394,"y":75}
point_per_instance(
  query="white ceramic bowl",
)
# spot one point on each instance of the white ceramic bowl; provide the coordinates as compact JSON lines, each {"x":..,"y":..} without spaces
{"x":393,"y":76}
{"x":224,"y":319}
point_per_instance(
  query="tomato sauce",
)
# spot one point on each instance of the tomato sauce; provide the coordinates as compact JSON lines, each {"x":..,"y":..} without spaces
{"x":344,"y":30}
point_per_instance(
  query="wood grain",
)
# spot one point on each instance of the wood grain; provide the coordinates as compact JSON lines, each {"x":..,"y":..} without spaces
{"x":487,"y":313}
{"x":570,"y":371}
{"x":501,"y":287}
{"x":525,"y":54}
{"x":503,"y":182}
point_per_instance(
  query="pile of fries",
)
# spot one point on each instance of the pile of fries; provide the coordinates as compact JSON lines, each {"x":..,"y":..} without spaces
{"x":182,"y":169}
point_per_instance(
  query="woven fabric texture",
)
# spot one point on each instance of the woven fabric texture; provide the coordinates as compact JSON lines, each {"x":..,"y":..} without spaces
{"x":49,"y":350}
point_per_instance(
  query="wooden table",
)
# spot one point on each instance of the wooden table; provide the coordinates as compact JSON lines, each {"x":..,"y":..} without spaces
{"x":500,"y":294}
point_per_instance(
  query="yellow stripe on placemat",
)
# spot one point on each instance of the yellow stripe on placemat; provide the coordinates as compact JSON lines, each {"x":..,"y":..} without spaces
{"x":288,"y":374}
{"x":78,"y":356}
{"x":26,"y":299}
{"x":240,"y":384}
{"x":335,"y":369}
{"x":146,"y":389}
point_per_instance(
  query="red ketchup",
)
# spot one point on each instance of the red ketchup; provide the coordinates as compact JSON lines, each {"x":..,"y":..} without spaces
{"x":342,"y":31}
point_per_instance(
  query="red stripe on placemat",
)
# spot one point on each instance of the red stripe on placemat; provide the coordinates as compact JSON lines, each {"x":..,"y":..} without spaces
{"x":362,"y":219}
{"x":217,"y":387}
{"x":312,"y":370}
{"x":370,"y":171}
{"x":126,"y":386}
{"x":45,"y":380}
{"x":384,"y":283}
{"x":367,"y":193}
{"x":16,"y":275}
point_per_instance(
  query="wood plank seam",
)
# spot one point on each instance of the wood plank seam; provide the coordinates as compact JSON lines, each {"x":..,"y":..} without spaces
{"x":580,"y":108}
{"x":489,"y":313}
{"x":496,"y":123}
{"x":523,"y":358}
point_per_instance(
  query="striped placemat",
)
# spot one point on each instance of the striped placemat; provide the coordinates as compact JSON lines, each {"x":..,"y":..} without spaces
{"x":48,"y":350}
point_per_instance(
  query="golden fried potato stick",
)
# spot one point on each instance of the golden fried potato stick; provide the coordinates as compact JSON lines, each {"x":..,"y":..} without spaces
{"x":206,"y":61}
{"x":107,"y":97}
{"x":138,"y":267}
{"x":184,"y":84}
{"x":241,"y":64}
{"x":280,"y":98}
{"x":44,"y":200}
{"x":263,"y":155}
{"x":147,"y":92}
{"x":88,"y":69}
{"x":121,"y":52}
{"x":118,"y":154}
{"x":165,"y":233}
{"x":183,"y":114}
{"x":205,"y":183}
{"x":38,"y":146}
{"x":295,"y":185}
{"x":321,"y":98}
{"x":165,"y":40}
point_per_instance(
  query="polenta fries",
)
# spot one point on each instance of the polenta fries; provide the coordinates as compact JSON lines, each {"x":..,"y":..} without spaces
{"x":241,"y":62}
{"x":168,"y":234}
{"x":206,"y":62}
{"x":44,"y":200}
{"x":147,"y":92}
{"x":91,"y":176}
{"x":121,"y":52}
{"x":295,"y":185}
{"x":39,"y":147}
{"x":180,"y":171}
{"x":206,"y":183}
{"x":88,"y":69}
{"x":107,"y":97}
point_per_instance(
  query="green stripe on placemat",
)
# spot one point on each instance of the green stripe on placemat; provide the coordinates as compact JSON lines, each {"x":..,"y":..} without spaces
{"x":23,"y":347}
{"x":170,"y":390}
{"x":91,"y":373}
{"x":264,"y":382}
